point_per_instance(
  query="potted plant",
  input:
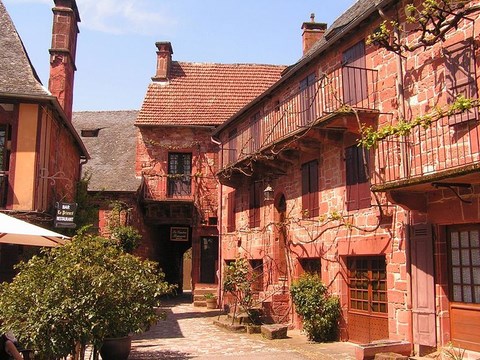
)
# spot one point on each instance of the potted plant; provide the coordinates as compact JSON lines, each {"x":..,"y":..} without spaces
{"x":211,"y":300}
{"x":81,"y":293}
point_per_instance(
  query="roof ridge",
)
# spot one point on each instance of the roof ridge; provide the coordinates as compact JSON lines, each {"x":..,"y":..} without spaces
{"x":228,"y":64}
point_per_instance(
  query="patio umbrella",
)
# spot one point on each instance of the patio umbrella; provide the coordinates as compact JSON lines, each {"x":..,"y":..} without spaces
{"x":15,"y":231}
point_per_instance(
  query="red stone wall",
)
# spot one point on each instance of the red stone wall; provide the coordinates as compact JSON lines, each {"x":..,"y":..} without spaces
{"x":154,"y":145}
{"x":365,"y":233}
{"x":62,"y":161}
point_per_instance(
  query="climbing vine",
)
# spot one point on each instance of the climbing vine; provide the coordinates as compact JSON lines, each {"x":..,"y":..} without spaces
{"x":430,"y":21}
{"x":370,"y":136}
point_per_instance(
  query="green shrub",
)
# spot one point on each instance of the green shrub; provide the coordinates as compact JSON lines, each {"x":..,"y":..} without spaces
{"x":80,"y":293}
{"x":319,"y":310}
{"x":127,"y":237}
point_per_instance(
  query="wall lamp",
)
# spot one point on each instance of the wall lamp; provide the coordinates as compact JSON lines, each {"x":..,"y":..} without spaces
{"x":268,"y":193}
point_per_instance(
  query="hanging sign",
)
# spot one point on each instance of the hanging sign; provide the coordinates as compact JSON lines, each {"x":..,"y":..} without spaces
{"x":65,"y":215}
{"x":179,"y":233}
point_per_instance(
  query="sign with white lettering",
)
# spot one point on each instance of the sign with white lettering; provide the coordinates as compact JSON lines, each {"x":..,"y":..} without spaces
{"x":65,"y":215}
{"x":179,"y":233}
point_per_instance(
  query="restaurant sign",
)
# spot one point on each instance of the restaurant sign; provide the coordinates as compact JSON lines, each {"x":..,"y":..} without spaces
{"x":65,"y":215}
{"x":179,"y":233}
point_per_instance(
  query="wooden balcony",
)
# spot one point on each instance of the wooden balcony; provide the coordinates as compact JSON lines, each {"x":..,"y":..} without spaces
{"x":329,"y":103}
{"x":447,"y":152}
{"x":177,"y":187}
{"x":168,"y":199}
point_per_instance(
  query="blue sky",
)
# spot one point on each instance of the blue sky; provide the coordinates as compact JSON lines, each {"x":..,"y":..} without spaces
{"x":116,"y":53}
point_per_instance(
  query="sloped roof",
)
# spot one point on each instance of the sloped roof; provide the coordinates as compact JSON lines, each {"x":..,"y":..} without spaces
{"x":17,"y":74}
{"x":359,"y":10}
{"x":348,"y":21}
{"x":112,"y":151}
{"x":204,"y":94}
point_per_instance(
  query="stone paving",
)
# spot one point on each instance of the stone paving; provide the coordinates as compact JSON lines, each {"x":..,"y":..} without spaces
{"x":189,"y":333}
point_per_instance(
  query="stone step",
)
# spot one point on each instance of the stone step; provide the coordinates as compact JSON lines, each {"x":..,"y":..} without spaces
{"x":202,"y":292}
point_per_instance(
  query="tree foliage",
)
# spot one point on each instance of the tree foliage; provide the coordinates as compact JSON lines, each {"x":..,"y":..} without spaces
{"x":82,"y":292}
{"x":238,"y":280}
{"x":430,"y":21}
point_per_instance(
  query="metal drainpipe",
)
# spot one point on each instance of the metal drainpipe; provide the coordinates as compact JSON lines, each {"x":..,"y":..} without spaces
{"x":402,"y":112}
{"x":219,"y":227}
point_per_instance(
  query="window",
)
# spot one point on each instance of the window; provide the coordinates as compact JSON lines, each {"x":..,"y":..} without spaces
{"x":460,"y":77}
{"x":257,"y":274}
{"x":464,"y":254}
{"x":5,"y":133}
{"x":307,"y":100}
{"x":89,"y":132}
{"x":367,"y":277}
{"x":310,"y":265}
{"x":255,"y":201}
{"x":354,"y":75}
{"x":231,"y":211}
{"x":179,"y":174}
{"x":310,"y":189}
{"x":357,"y":184}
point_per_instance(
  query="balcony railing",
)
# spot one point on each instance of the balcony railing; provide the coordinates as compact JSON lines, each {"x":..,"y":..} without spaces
{"x":426,"y":153}
{"x":168,"y":187}
{"x":347,"y":86}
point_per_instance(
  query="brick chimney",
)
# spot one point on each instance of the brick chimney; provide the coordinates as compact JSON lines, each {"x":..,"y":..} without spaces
{"x":62,"y":53}
{"x":164,"y":60}
{"x":312,"y":32}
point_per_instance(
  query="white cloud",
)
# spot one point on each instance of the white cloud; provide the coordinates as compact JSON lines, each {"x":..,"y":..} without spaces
{"x":146,"y":17}
{"x":124,"y":16}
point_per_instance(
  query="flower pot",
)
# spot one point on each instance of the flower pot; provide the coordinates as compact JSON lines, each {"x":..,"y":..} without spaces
{"x":211,"y":303}
{"x":116,"y":348}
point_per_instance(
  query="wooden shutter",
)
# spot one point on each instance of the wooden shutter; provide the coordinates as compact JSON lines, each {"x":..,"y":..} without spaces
{"x":460,"y":77}
{"x":423,"y":286}
{"x":354,"y":76}
{"x":310,"y":188}
{"x":314,"y":206}
{"x":307,"y":100}
{"x":255,"y":193}
{"x":358,"y":194}
{"x":231,"y":211}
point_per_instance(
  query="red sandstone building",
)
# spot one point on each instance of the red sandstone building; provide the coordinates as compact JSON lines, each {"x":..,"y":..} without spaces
{"x":160,"y":162}
{"x":40,"y":152}
{"x":176,"y":159}
{"x":394,"y":229}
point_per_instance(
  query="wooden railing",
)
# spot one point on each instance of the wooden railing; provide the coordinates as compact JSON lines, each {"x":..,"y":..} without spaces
{"x":168,"y":187}
{"x":447,"y":144}
{"x":345,"y":87}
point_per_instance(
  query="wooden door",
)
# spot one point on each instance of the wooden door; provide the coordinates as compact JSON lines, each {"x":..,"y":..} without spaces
{"x":367,"y":310}
{"x":423,"y":287}
{"x":464,"y":284}
{"x":208,"y":259}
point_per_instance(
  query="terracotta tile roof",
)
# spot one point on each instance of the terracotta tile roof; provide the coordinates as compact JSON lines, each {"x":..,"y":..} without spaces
{"x":17,"y":75}
{"x":360,"y":11}
{"x":112,"y":150}
{"x":204,"y":94}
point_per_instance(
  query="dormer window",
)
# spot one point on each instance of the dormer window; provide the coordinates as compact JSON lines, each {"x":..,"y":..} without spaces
{"x":90,"y":132}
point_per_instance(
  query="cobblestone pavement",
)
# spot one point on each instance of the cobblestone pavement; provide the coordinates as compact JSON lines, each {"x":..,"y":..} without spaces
{"x":189,"y":333}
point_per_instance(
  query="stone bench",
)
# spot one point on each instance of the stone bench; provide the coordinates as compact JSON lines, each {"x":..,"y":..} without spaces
{"x":274,"y":331}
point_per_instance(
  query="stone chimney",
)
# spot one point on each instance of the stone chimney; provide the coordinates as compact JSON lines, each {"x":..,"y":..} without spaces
{"x":62,"y":53}
{"x":164,"y":60}
{"x":312,"y":32}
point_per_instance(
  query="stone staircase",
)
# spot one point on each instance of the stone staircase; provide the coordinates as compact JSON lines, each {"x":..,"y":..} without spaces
{"x":199,"y":292}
